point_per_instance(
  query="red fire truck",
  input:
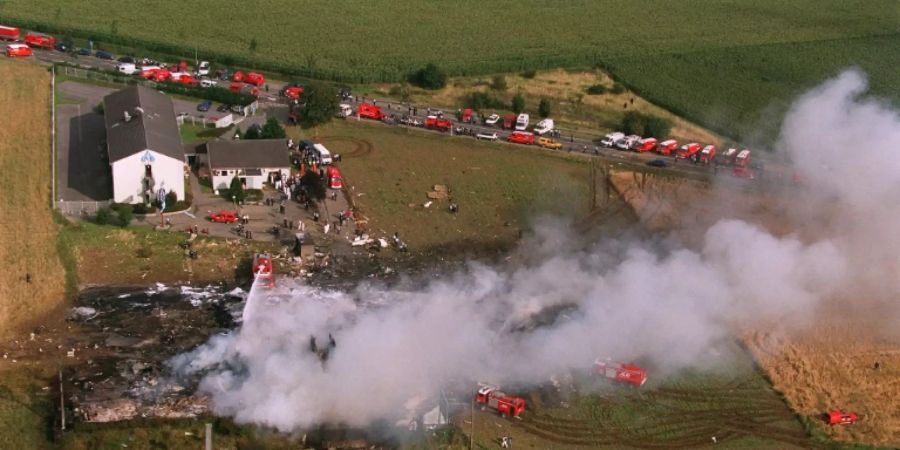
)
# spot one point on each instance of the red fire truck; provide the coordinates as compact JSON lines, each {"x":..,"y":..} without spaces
{"x":623,"y":373}
{"x":506,"y":405}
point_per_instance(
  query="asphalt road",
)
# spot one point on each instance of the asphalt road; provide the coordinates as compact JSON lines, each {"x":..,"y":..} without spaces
{"x":397,"y":110}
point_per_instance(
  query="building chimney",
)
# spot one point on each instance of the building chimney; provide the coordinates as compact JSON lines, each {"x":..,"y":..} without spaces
{"x":127,"y":117}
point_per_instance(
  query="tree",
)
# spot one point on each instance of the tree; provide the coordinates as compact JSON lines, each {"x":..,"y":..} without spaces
{"x":545,"y":108}
{"x":518,"y":103}
{"x":633,"y":123}
{"x":499,"y":83}
{"x":124,"y":214}
{"x":236,"y":190}
{"x":253,"y":44}
{"x":657,"y":127}
{"x":430,"y":77}
{"x":312,"y":183}
{"x":253,"y":132}
{"x":272,"y":130}
{"x":320,"y":103}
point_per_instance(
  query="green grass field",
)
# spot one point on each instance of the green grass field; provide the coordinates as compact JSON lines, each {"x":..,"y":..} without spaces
{"x":727,"y":64}
{"x":499,"y":188}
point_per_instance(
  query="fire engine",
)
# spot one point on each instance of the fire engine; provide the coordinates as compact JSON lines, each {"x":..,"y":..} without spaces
{"x":623,"y":373}
{"x":508,"y":405}
{"x":645,"y":145}
{"x":840,"y":417}
{"x":262,"y":269}
{"x":256,"y":79}
{"x":667,"y":147}
{"x":39,"y":40}
{"x":369,"y":111}
{"x":708,"y":154}
{"x":521,"y":137}
{"x":18,"y":50}
{"x":688,"y":150}
{"x":438,"y":124}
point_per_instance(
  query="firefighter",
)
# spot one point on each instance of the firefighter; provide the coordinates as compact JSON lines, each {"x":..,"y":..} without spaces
{"x":331,"y":341}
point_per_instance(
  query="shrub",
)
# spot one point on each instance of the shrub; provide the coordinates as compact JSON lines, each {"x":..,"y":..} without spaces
{"x":545,"y":108}
{"x":498,"y":83}
{"x":528,"y":74}
{"x":482,"y":100}
{"x":597,"y":89}
{"x":641,"y":124}
{"x":139,"y":208}
{"x":124,"y":214}
{"x":518,"y":104}
{"x":430,"y":77}
{"x":103,"y":216}
{"x":617,"y":88}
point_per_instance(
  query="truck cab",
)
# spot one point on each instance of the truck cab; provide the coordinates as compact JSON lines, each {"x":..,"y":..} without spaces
{"x":543,"y":127}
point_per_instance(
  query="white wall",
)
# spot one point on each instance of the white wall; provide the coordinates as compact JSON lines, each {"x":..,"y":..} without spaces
{"x":127,"y":174}
{"x":221,"y":182}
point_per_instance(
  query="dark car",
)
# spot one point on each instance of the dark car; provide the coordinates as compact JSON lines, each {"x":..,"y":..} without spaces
{"x":345,"y":93}
{"x":658,"y":163}
{"x":149,"y":62}
{"x":238,"y":109}
{"x":83,"y":52}
{"x":61,"y":46}
{"x":223,"y":108}
{"x":204,"y":106}
{"x":126,"y":59}
{"x":103,"y":54}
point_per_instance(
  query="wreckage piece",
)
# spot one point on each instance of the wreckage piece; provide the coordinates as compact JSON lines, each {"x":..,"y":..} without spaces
{"x":331,"y":341}
{"x":312,"y":344}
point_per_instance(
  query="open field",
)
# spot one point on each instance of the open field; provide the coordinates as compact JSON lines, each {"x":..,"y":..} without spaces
{"x":32,"y":283}
{"x":736,"y":405}
{"x":824,"y":364}
{"x":498,"y":187}
{"x":108,"y":255}
{"x":724,"y":64}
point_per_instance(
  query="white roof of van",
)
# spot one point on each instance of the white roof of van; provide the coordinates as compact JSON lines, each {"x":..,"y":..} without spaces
{"x":14,"y":46}
{"x":744,"y":153}
{"x":321,"y":149}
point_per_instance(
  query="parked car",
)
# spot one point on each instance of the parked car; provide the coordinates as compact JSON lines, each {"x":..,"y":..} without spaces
{"x":126,"y":59}
{"x":223,"y":108}
{"x":492,"y":119}
{"x":206,"y":82}
{"x":61,"y":47}
{"x":549,"y":143}
{"x":204,"y":106}
{"x":203,"y":69}
{"x":657,"y":163}
{"x":149,"y":62}
{"x":486,"y":136}
{"x":103,"y":54}
{"x":238,"y":109}
{"x":183,"y":114}
{"x":83,"y":52}
{"x":223,"y":217}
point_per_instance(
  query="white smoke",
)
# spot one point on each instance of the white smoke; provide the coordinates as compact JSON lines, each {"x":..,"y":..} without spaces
{"x":666,"y":307}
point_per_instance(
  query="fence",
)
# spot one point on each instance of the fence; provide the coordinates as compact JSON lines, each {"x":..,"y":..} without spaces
{"x":81,"y":208}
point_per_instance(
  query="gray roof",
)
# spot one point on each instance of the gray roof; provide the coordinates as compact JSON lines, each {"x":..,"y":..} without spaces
{"x":248,"y":154}
{"x":153,"y":128}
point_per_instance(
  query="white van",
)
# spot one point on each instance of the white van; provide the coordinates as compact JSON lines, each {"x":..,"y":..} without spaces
{"x":126,"y":68}
{"x":543,"y":127}
{"x":522,"y":122}
{"x":610,"y":139}
{"x":323,"y":153}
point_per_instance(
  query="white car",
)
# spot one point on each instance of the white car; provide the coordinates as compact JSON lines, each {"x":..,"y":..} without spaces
{"x":208,"y":83}
{"x":543,"y":127}
{"x":126,"y":68}
{"x":486,"y":136}
{"x":203,"y":69}
{"x":492,"y":119}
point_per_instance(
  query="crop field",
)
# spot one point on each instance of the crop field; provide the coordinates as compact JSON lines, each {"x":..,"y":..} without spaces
{"x":32,"y":284}
{"x":727,"y":64}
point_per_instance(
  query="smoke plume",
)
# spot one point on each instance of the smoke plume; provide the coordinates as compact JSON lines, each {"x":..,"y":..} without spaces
{"x":662,"y":304}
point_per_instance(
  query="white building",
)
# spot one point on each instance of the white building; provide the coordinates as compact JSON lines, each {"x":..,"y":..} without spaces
{"x":253,"y":161}
{"x":144,"y":145}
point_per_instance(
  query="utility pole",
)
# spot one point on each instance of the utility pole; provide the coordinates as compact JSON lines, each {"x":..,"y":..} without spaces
{"x":472,"y":433}
{"x":209,"y":437}
{"x":62,"y":403}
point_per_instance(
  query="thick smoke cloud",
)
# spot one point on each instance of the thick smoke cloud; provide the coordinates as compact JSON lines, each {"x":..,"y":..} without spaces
{"x":663,"y":305}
